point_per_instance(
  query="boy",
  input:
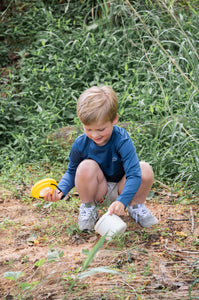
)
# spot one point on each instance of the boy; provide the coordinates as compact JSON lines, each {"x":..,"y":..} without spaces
{"x":103,"y":163}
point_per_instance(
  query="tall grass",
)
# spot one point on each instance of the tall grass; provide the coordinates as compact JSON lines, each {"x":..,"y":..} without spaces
{"x":146,"y":51}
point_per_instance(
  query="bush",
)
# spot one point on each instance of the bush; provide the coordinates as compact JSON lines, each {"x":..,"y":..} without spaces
{"x":147,"y":53}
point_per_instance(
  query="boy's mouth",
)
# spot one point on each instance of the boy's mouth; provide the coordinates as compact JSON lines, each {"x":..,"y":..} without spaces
{"x":98,"y":140}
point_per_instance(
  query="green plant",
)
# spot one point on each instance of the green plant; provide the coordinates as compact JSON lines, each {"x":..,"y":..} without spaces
{"x":54,"y":254}
{"x":22,"y":287}
{"x":82,"y":273}
{"x":120,"y":240}
{"x":146,"y":271}
{"x":190,"y":289}
{"x":10,"y":262}
{"x":39,"y":264}
{"x":6,"y":223}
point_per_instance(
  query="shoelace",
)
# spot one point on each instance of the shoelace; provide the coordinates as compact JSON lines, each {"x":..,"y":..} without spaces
{"x":86,"y":211}
{"x":140,"y":211}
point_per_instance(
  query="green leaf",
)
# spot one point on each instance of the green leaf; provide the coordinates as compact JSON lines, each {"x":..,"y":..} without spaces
{"x":13,"y":275}
{"x":25,"y":286}
{"x":61,"y":254}
{"x":92,"y":27}
{"x":129,"y":258}
{"x":151,"y":109}
{"x":122,"y":111}
{"x":85,"y":251}
{"x":190,"y":289}
{"x":97,"y":270}
{"x":58,"y":23}
{"x":93,"y":252}
{"x":40,"y":262}
{"x":54,"y":254}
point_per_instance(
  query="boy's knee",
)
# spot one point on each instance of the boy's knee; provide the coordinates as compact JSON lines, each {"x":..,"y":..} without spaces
{"x":86,"y":168}
{"x":147,"y":171}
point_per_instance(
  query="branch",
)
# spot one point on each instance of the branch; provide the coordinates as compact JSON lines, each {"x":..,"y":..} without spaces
{"x":192,"y":220}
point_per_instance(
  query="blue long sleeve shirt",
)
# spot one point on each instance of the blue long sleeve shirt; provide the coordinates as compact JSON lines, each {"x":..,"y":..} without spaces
{"x":116,"y":159}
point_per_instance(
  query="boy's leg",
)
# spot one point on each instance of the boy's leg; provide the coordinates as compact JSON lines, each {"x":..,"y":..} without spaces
{"x":90,"y":182}
{"x":146,"y":184}
{"x":137,"y":210}
{"x":91,"y":186}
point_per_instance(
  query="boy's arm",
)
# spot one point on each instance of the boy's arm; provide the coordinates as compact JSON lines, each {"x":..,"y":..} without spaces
{"x":67,"y":181}
{"x":132,"y":171}
{"x":64,"y":186}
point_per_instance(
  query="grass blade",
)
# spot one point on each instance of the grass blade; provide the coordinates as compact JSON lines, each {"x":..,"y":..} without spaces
{"x":93,"y":252}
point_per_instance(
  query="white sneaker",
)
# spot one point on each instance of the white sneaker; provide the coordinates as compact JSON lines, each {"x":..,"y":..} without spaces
{"x":142,"y":215}
{"x":87,"y":217}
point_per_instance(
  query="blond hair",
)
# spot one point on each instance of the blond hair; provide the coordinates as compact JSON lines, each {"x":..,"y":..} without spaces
{"x":97,"y":104}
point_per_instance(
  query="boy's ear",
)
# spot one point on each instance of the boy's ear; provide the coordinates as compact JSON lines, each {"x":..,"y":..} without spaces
{"x":116,"y":119}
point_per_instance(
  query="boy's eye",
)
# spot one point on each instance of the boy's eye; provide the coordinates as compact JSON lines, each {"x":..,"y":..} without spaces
{"x":89,"y":130}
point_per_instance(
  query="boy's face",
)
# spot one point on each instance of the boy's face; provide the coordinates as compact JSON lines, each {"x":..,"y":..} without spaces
{"x":100,"y":132}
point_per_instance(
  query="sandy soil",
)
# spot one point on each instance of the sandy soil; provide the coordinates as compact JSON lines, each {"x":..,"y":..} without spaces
{"x":154,"y":263}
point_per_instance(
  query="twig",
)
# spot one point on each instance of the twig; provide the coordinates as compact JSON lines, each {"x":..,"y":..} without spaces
{"x":163,"y":272}
{"x":179,"y":250}
{"x":192,"y":220}
{"x":3,"y":13}
{"x":170,"y":219}
{"x":162,"y":184}
{"x":130,"y":286}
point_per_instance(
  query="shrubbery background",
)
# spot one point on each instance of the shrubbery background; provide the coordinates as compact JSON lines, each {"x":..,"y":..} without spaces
{"x":51,"y":51}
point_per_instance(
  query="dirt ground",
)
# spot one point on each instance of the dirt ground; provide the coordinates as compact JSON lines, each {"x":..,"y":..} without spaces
{"x":154,"y":263}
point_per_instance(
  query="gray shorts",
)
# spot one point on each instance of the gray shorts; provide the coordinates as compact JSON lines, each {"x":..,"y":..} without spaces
{"x":111,"y":195}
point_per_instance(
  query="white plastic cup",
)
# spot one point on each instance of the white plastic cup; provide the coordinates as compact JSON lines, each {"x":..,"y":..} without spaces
{"x":110,"y":225}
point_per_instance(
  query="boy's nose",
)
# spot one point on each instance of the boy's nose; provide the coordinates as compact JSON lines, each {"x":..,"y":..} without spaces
{"x":95,"y":134}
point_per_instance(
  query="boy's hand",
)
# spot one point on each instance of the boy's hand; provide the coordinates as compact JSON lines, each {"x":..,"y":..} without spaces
{"x":55,"y":196}
{"x":116,"y":208}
